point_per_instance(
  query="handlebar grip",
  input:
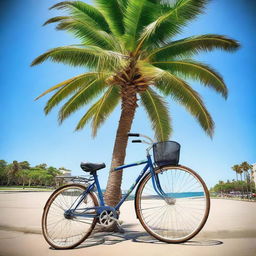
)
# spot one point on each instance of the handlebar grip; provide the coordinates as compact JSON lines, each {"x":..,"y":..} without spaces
{"x":136,"y":141}
{"x":133,"y":134}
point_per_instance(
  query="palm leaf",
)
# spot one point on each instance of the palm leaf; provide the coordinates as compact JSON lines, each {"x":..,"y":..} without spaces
{"x":105,"y":106}
{"x":87,"y":33}
{"x":57,"y":86}
{"x":180,"y":91}
{"x":90,"y":56}
{"x":56,"y":19}
{"x":193,"y":45}
{"x":101,"y":109}
{"x":197,"y":71}
{"x":113,"y":14}
{"x":81,"y":98}
{"x":70,"y":87}
{"x":137,"y":14}
{"x":171,"y":21}
{"x":78,"y":8}
{"x":87,"y":117}
{"x":158,"y":114}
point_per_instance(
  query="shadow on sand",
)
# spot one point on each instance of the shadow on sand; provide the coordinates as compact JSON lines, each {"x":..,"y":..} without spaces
{"x":110,"y":238}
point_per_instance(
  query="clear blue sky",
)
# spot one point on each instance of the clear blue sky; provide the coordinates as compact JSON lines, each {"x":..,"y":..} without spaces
{"x":27,"y":134}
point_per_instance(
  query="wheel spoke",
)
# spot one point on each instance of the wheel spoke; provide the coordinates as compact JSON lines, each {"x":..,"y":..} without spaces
{"x":183,"y":212}
{"x":67,"y":232}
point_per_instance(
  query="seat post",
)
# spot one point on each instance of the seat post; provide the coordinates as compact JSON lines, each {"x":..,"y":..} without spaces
{"x":100,"y":194}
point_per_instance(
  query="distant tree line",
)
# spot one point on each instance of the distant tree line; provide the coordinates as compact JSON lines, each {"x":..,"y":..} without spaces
{"x":233,"y":186}
{"x":244,"y":182}
{"x":21,"y":173}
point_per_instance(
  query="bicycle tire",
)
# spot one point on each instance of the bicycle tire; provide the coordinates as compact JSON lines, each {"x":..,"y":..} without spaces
{"x":65,"y":191}
{"x":164,"y":234}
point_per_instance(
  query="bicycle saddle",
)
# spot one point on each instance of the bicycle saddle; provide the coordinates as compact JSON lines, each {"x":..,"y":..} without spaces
{"x":91,"y":167}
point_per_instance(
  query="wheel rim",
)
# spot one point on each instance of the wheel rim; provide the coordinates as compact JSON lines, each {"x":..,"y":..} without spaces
{"x":63,"y":232}
{"x":184,"y":210}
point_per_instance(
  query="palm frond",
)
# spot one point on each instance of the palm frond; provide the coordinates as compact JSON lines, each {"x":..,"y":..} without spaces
{"x":105,"y":106}
{"x":123,"y":5}
{"x":78,"y":8}
{"x":87,"y":117}
{"x":158,"y":114}
{"x":169,"y":23}
{"x":87,"y":33}
{"x":90,"y":56}
{"x":193,"y":45}
{"x":113,"y":14}
{"x":195,"y":70}
{"x":180,"y":91}
{"x":82,"y":97}
{"x":101,"y":109}
{"x":136,"y":15}
{"x":56,"y":19}
{"x":70,"y":87}
{"x":57,"y":86}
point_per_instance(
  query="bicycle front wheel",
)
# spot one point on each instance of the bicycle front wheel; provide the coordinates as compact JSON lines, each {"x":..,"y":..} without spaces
{"x":183,"y":210}
{"x":61,"y":231}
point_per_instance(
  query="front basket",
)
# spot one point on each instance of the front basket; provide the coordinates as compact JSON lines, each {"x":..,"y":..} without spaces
{"x":166,"y":153}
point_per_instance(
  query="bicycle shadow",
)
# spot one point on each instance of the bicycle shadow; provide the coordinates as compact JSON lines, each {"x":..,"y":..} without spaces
{"x":110,"y":238}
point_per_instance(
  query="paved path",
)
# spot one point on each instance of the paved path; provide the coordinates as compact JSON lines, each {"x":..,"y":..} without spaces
{"x":230,"y":230}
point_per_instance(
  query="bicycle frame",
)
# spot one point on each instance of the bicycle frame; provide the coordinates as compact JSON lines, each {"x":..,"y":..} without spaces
{"x":156,"y":184}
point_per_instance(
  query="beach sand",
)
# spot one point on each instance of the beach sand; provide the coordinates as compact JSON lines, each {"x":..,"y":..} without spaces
{"x":230,"y":230}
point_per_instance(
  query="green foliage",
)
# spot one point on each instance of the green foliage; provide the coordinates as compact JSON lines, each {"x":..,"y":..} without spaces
{"x":83,"y":96}
{"x":175,"y":15}
{"x":90,"y":56}
{"x":190,"y":69}
{"x":118,"y":35}
{"x":180,"y":91}
{"x":101,"y":109}
{"x":157,"y":111}
{"x":112,"y":12}
{"x":228,"y":186}
{"x":83,"y":11}
{"x":193,"y":45}
{"x":21,"y":173}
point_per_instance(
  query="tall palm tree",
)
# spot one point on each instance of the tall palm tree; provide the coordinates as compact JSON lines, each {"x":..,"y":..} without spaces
{"x":237,"y":169}
{"x":245,"y":166}
{"x":132,"y":58}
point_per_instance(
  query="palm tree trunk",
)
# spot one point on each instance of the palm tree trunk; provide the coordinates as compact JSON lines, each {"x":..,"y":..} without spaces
{"x":129,"y":105}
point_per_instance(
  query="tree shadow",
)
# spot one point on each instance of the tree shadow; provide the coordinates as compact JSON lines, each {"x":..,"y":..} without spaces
{"x":110,"y":238}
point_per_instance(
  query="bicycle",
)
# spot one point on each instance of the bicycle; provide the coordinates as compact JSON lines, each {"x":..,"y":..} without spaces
{"x":171,"y":201}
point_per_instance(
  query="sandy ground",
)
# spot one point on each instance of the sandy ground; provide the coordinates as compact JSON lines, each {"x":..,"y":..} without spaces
{"x":230,"y":230}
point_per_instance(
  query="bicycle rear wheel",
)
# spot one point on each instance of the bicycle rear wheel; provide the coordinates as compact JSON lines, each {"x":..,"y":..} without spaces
{"x":182,"y":213}
{"x":62,"y":232}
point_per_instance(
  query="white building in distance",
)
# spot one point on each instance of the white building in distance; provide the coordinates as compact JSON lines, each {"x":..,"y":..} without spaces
{"x":254,"y":173}
{"x":65,"y":172}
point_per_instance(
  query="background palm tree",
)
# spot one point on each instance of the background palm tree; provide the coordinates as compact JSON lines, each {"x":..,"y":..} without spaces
{"x":131,"y":56}
{"x":245,"y":166}
{"x":237,"y":169}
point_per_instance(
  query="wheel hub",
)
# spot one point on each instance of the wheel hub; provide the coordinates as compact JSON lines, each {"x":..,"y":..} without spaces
{"x":170,"y":200}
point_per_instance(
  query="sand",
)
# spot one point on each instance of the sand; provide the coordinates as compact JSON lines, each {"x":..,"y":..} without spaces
{"x":230,"y":230}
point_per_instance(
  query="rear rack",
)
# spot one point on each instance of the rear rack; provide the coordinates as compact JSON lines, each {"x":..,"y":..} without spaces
{"x":76,"y":179}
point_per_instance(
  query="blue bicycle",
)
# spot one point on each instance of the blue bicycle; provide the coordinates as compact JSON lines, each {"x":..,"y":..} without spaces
{"x":171,"y":201}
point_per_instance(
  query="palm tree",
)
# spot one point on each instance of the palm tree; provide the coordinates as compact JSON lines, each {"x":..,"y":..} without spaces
{"x":237,"y":169}
{"x":245,"y":166}
{"x":132,"y":59}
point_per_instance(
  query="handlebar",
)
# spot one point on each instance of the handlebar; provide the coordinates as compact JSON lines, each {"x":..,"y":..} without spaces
{"x":130,"y":134}
{"x":140,"y":135}
{"x":136,"y":141}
